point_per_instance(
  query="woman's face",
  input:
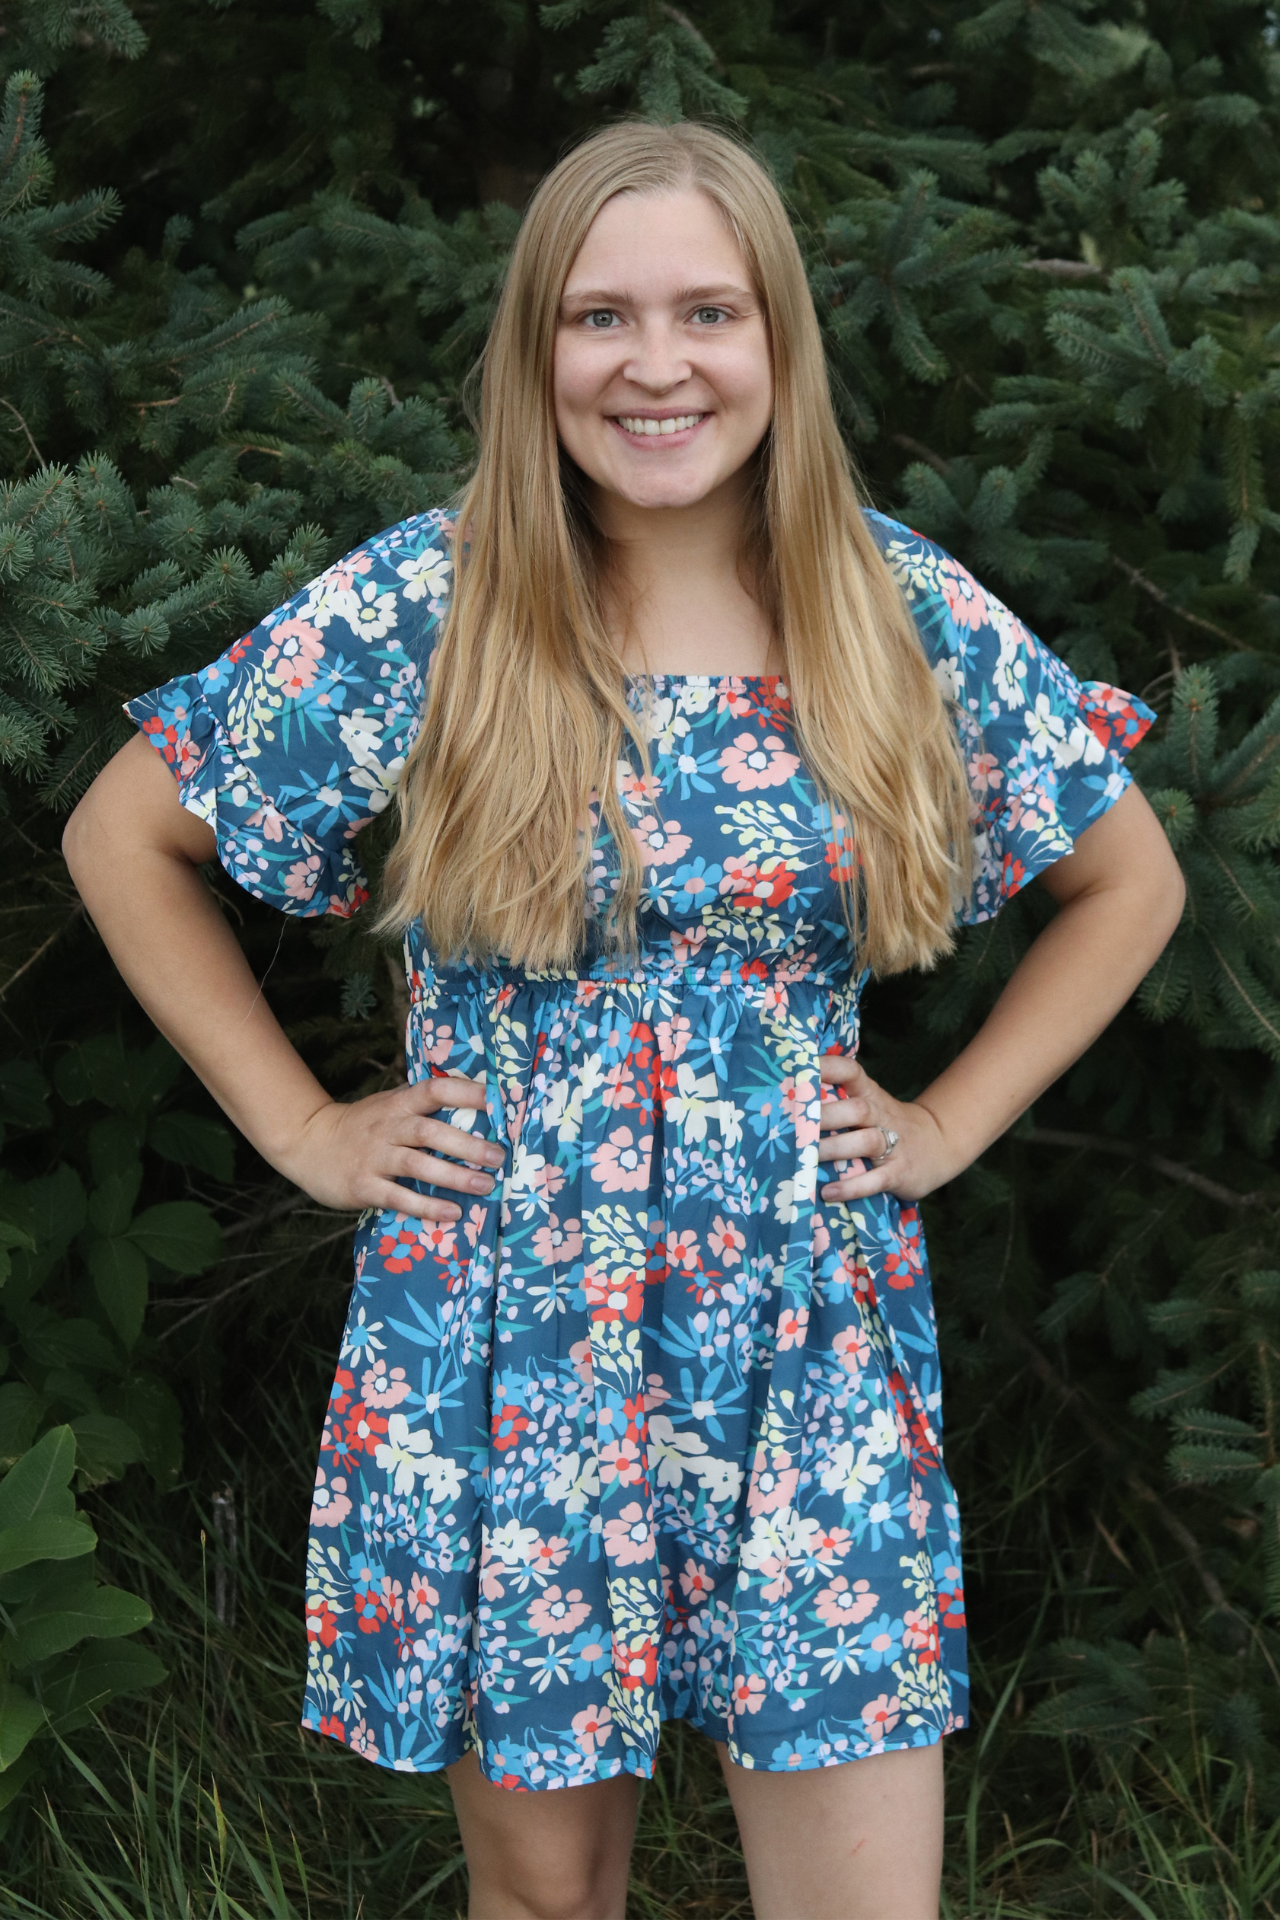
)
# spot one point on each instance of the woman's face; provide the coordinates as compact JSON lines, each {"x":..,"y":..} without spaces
{"x":663,"y":377}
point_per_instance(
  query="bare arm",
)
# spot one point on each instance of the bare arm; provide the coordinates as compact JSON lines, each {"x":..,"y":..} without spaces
{"x":133,"y":851}
{"x":1120,"y":894}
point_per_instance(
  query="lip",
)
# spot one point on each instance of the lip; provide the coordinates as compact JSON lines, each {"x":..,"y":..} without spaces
{"x":653,"y":442}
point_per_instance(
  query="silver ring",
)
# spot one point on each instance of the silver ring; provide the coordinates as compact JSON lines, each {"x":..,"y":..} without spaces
{"x":890,"y":1142}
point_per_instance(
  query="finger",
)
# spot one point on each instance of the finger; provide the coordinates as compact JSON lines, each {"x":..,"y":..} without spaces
{"x":440,"y":1137}
{"x":844,"y":1114}
{"x":861,"y":1183}
{"x":866,"y":1143}
{"x":440,"y":1173}
{"x":449,"y":1090}
{"x":387,"y":1197}
{"x":839,"y":1070}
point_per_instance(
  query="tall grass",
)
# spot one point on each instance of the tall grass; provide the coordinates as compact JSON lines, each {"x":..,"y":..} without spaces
{"x":209,"y":1803}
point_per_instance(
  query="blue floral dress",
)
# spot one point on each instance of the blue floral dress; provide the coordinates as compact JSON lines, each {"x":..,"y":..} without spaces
{"x":652,"y":1432}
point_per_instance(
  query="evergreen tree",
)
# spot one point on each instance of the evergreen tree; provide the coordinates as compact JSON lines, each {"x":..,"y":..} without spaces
{"x":242,"y":278}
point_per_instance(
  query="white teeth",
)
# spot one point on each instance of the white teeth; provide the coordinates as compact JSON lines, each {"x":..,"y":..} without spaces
{"x":677,"y":423}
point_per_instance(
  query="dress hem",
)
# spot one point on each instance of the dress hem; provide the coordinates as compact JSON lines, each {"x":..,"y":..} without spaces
{"x":934,"y":1737}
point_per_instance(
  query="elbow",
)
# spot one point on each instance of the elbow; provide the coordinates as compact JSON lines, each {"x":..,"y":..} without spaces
{"x":76,"y":836}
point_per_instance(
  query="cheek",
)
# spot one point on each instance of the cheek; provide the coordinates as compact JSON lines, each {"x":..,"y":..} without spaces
{"x":573,"y":387}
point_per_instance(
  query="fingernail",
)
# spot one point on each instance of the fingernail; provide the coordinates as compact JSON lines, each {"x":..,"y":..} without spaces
{"x":481,"y":1183}
{"x":494,"y":1156}
{"x":454,"y":1213}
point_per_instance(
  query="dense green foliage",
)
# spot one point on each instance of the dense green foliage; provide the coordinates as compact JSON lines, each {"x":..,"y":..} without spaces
{"x":244,"y":268}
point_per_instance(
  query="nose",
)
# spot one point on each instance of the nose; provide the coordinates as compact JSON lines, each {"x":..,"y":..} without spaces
{"x":658,"y":361}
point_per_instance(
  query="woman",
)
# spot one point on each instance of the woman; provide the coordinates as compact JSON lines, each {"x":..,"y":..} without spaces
{"x":633,"y":1419}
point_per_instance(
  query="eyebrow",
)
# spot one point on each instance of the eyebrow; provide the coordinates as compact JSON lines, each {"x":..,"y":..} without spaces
{"x":604,"y":297}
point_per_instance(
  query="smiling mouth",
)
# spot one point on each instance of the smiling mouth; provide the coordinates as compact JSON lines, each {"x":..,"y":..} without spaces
{"x":645,"y":424}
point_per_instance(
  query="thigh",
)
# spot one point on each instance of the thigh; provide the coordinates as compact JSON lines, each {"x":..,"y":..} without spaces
{"x":862,"y":1841}
{"x":558,"y":1855}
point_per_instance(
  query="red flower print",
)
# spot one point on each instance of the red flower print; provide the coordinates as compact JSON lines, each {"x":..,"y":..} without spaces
{"x":400,"y":1249}
{"x":614,"y":1296}
{"x":636,"y":1662}
{"x":322,"y":1623}
{"x":334,"y":1728}
{"x":508,"y":1423}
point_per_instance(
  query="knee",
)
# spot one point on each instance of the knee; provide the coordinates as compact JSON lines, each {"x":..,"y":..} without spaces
{"x":578,"y":1892}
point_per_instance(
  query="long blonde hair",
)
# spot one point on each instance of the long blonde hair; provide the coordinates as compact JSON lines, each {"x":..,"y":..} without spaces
{"x":527,"y":712}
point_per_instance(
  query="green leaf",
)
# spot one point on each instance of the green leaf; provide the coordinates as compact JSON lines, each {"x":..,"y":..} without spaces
{"x":119,"y":1273}
{"x":40,"y":1631}
{"x":94,"y":1672}
{"x":180,"y":1234}
{"x":41,"y":1481}
{"x":48,"y":1537}
{"x":151,"y":1409}
{"x":20,"y":1410}
{"x":111,"y":1205}
{"x":73,"y":1343}
{"x":24,"y":1095}
{"x":105,"y":1446}
{"x":193,"y":1141}
{"x":21,"y":1718}
{"x":113,"y":1149}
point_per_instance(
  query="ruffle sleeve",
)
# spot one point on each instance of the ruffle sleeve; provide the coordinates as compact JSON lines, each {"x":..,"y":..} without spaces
{"x":293,"y":739}
{"x":1045,"y":752}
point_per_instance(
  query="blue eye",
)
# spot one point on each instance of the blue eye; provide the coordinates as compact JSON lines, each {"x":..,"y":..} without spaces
{"x":709,"y":315}
{"x":602,"y":314}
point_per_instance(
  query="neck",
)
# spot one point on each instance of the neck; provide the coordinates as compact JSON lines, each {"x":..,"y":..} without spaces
{"x":674,"y":593}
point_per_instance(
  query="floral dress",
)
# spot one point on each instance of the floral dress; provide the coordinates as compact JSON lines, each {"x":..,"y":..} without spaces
{"x":652,"y":1432}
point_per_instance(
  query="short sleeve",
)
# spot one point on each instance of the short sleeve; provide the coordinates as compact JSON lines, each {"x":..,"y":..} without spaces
{"x":1045,"y":752}
{"x":293,"y":739}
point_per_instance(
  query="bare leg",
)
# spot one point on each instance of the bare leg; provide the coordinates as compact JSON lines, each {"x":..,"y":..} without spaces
{"x":861,"y":1841}
{"x":561,"y":1855}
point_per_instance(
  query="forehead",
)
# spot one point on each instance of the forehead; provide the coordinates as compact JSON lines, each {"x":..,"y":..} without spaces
{"x":640,"y":240}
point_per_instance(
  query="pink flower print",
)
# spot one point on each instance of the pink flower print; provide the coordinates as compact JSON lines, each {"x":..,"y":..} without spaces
{"x":985,"y":773}
{"x":621,"y":1460}
{"x":755,"y":761}
{"x":378,"y":1388}
{"x":682,"y":1251}
{"x":302,"y":878}
{"x":363,"y":1741}
{"x":422,"y":1597}
{"x":881,"y":1715}
{"x":329,"y":1503}
{"x":556,"y":1244}
{"x":580,"y":1354}
{"x":773,"y":1482}
{"x":439,"y":1236}
{"x":673,"y":1036}
{"x":298,"y":648}
{"x":832,"y":1545}
{"x":852,"y":1349}
{"x":591,"y":1728}
{"x":734,"y":697}
{"x":619,"y":1086}
{"x":342,"y":574}
{"x":920,"y":1634}
{"x":435,"y":1043}
{"x":726,"y":1241}
{"x":966,"y":602}
{"x":554,"y":1613}
{"x":622,"y":1164}
{"x":793,"y":1324}
{"x":917,"y":1512}
{"x":842,"y":1605}
{"x":748,"y":1693}
{"x":628,"y":1539}
{"x":696,"y":1583}
{"x":268,"y":822}
{"x":546,"y":1555}
{"x":491,"y":1587}
{"x":660,"y":841}
{"x":820,"y":1239}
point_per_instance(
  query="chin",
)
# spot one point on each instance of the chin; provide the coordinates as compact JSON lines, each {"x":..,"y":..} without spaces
{"x":663,"y":490}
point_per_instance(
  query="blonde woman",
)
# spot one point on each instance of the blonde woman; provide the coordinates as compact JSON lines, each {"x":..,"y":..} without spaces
{"x":637,"y":1411}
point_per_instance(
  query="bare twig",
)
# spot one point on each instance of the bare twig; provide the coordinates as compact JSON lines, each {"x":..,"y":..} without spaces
{"x":1074,"y":1403}
{"x":683,"y":20}
{"x":1162,"y":599}
{"x":42,"y":949}
{"x":1171,"y":1169}
{"x":40,"y":459}
{"x":935,"y":460}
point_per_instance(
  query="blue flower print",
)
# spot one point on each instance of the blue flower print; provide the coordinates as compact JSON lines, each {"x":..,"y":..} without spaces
{"x":652,"y":1431}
